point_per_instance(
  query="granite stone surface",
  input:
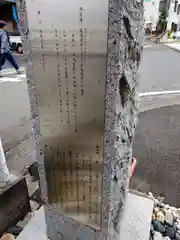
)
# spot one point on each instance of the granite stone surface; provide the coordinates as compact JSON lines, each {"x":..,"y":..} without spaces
{"x":124,"y":54}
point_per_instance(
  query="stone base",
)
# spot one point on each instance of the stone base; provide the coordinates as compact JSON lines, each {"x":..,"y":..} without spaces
{"x":137,"y":217}
{"x":36,"y":226}
{"x":135,"y":225}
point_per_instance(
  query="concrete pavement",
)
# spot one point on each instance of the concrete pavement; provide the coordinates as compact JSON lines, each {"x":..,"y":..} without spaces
{"x":175,"y":46}
{"x":159,"y":70}
{"x":14,"y":102}
{"x":15,"y":121}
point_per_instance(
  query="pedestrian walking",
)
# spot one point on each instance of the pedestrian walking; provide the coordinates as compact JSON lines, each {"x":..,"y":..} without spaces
{"x":5,"y":49}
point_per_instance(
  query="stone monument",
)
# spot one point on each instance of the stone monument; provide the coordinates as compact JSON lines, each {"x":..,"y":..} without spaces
{"x":83,"y":58}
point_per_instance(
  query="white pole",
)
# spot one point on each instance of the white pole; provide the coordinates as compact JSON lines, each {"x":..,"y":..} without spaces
{"x":4,"y":172}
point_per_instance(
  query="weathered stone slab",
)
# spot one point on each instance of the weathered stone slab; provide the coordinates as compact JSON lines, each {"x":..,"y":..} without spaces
{"x":137,"y":217}
{"x":37,"y":226}
{"x":69,"y":53}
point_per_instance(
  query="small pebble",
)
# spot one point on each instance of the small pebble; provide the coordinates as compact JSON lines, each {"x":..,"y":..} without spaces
{"x":178,"y":225}
{"x":161,"y":205}
{"x":157,"y":236}
{"x":166,"y":206}
{"x":178,"y":210}
{"x":152,"y":230}
{"x":158,"y":226}
{"x":173,"y":208}
{"x":160,"y":216}
{"x":156,"y":209}
{"x":160,"y":199}
{"x":152,"y":227}
{"x":170,"y":232}
{"x":175,"y":215}
{"x":165,"y":220}
{"x":169,"y":217}
{"x":150,"y":194}
{"x":177,"y":236}
{"x":156,"y":202}
{"x":174,"y":226}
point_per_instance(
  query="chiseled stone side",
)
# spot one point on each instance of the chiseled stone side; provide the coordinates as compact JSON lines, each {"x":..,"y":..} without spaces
{"x":125,"y":33}
{"x":125,"y":44}
{"x":23,"y":22}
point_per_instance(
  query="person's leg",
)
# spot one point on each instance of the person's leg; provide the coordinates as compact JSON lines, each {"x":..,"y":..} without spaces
{"x":0,"y":65}
{"x":0,"y":62}
{"x":11,"y":59}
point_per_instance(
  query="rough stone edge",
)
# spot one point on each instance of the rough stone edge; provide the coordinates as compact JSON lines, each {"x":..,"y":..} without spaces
{"x":23,"y":20}
{"x":125,"y":44}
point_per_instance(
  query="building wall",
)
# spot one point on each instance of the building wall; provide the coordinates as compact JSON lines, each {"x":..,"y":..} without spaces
{"x":174,"y":16}
{"x":151,"y":11}
{"x":6,"y":15}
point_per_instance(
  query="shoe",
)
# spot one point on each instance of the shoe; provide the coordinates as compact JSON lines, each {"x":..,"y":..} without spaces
{"x":19,"y":72}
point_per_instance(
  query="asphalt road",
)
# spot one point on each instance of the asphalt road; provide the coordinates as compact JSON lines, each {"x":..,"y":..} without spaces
{"x":157,"y":138}
{"x":159,"y":70}
{"x":156,"y":148}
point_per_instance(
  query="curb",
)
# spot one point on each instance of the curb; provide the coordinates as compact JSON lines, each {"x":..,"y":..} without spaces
{"x":174,"y":49}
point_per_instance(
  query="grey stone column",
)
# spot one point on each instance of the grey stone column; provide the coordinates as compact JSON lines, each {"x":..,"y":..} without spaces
{"x":125,"y":44}
{"x":120,"y":45}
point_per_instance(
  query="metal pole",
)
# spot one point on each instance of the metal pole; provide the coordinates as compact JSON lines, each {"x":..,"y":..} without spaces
{"x":4,"y":172}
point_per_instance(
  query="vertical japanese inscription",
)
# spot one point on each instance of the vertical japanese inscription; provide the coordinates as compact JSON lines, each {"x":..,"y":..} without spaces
{"x":90,"y":186}
{"x":66,"y":75}
{"x":74,"y":83}
{"x":57,"y":45}
{"x":98,"y":180}
{"x":70,"y":84}
{"x":77,"y":182}
{"x":81,"y":50}
{"x":41,"y":37}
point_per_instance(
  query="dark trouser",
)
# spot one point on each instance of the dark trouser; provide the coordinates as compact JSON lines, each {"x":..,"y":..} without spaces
{"x":8,"y":56}
{"x":2,"y":60}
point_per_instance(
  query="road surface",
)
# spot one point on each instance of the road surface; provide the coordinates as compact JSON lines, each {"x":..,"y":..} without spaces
{"x":159,"y":68}
{"x":156,"y":144}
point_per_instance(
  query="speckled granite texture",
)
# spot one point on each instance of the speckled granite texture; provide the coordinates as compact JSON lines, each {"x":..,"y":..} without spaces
{"x":125,"y":33}
{"x":124,"y":54}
